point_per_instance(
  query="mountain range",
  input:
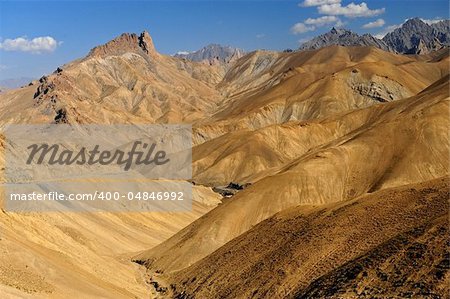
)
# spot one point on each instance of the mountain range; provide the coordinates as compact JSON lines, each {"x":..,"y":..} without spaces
{"x":413,"y":37}
{"x":335,"y":159}
{"x":213,"y":53}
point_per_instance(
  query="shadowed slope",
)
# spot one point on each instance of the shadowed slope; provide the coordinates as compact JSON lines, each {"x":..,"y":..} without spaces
{"x":399,"y":143}
{"x":60,"y":255}
{"x":306,"y":128}
{"x":265,"y":88}
{"x":389,"y":243}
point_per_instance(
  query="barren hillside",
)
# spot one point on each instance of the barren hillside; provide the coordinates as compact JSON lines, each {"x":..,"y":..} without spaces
{"x":395,"y":144}
{"x":390,"y":243}
{"x":343,"y":153}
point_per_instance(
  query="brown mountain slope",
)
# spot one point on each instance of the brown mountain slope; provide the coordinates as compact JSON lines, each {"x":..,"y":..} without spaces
{"x":123,"y":81}
{"x":321,"y":87}
{"x":391,"y":243}
{"x":401,"y":142}
{"x":304,"y":128}
{"x":87,"y":255}
{"x":265,"y":88}
{"x":126,"y":80}
{"x":84,"y":255}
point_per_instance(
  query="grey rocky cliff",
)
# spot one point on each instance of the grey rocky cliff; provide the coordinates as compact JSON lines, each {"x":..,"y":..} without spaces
{"x":343,"y":37}
{"x":413,"y":37}
{"x":417,"y":37}
{"x":213,"y":53}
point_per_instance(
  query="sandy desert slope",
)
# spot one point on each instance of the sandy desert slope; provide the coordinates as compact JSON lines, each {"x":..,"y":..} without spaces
{"x":319,"y":91}
{"x":265,"y":88}
{"x":321,"y":135}
{"x":391,"y":243}
{"x":78,"y":254}
{"x":399,"y":143}
{"x":88,"y":255}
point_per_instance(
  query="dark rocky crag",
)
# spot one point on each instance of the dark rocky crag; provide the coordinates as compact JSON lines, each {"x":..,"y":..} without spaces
{"x":213,"y":54}
{"x":343,"y":37}
{"x":127,"y":42}
{"x":413,"y":37}
{"x":417,"y":37}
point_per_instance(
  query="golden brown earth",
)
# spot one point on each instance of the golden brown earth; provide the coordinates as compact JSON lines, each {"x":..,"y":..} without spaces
{"x":346,"y":150}
{"x":391,"y":243}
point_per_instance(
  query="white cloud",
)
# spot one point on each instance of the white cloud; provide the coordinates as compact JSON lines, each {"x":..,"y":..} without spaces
{"x":308,"y":3}
{"x":386,"y":30}
{"x":321,"y":21}
{"x":36,"y":45}
{"x":311,"y":24}
{"x":340,"y":24}
{"x":352,"y":10}
{"x":301,"y":28}
{"x":260,"y":35}
{"x":434,"y":21}
{"x":182,"y":53}
{"x":303,"y":40}
{"x":393,"y":27}
{"x":374,"y":24}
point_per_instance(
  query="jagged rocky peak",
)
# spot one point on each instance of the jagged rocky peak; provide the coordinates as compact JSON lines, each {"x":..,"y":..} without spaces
{"x":340,"y":31}
{"x":442,"y":31}
{"x":343,"y":37}
{"x":146,"y":42}
{"x":213,"y":53}
{"x":442,"y":26}
{"x":415,"y":24}
{"x":414,"y":37}
{"x":126,"y":42}
{"x":417,"y":37}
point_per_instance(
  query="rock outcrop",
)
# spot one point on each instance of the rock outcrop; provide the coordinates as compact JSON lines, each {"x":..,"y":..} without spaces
{"x":328,"y":139}
{"x":413,"y":37}
{"x":126,"y":43}
{"x":417,"y":37}
{"x":343,"y":37}
{"x":214,"y":54}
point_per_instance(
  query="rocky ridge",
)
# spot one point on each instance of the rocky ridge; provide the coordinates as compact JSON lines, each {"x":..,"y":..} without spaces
{"x":413,"y":37}
{"x":343,"y":37}
{"x":213,"y":53}
{"x":417,"y":37}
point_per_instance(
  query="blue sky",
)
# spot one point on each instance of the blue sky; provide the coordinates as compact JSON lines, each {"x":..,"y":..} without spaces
{"x":38,"y":36}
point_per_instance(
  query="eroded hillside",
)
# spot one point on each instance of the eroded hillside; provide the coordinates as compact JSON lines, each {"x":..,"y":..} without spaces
{"x":390,"y":243}
{"x":395,"y":144}
{"x":326,"y":140}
